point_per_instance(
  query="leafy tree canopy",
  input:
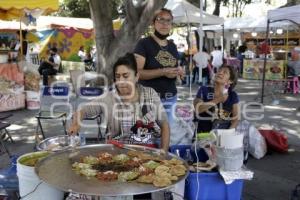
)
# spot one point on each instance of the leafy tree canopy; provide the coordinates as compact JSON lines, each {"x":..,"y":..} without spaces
{"x":80,"y":8}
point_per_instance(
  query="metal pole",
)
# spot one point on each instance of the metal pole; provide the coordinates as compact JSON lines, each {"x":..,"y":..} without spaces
{"x":200,"y":39}
{"x":190,"y":61}
{"x":201,"y":27}
{"x":223,"y":40}
{"x":265,"y":65}
{"x":21,"y":35}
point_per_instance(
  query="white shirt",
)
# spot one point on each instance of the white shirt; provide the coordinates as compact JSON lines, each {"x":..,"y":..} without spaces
{"x":217,"y":58}
{"x":201,"y":59}
{"x":81,"y":54}
{"x":17,"y":47}
{"x":57,"y":61}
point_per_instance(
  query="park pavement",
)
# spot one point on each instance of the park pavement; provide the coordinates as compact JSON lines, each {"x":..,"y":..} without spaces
{"x":275,"y":175}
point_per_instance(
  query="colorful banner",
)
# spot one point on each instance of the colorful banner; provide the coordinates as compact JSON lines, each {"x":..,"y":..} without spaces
{"x":66,"y":40}
{"x":253,"y":69}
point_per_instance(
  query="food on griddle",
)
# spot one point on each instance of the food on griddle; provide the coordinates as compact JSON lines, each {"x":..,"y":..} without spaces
{"x":178,"y":170}
{"x":151,"y":164}
{"x":128,"y":176}
{"x":90,"y":160}
{"x":107,"y":176}
{"x":146,"y":178}
{"x":133,"y":166}
{"x":121,"y":158}
{"x":161,"y":181}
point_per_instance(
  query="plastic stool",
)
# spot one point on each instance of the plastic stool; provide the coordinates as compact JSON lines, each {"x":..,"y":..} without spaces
{"x":293,"y":85}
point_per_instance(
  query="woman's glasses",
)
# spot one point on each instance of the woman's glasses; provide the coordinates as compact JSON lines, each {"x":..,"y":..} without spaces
{"x":164,"y":21}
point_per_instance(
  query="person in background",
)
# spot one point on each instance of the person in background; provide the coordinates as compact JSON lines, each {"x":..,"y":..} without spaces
{"x":81,"y":53}
{"x":217,"y":107}
{"x":15,"y":47}
{"x":157,"y":60}
{"x":294,"y":64}
{"x":88,"y":57}
{"x":232,"y":49}
{"x":183,"y":62}
{"x":241,"y":56}
{"x":50,"y":66}
{"x":262,"y":49}
{"x":202,"y":60}
{"x":217,"y":58}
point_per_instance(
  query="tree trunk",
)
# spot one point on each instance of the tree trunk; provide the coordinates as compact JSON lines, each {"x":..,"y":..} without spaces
{"x":217,"y":7}
{"x":110,"y":46}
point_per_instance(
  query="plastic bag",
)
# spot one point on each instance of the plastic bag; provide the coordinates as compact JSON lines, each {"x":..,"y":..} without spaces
{"x":276,"y":141}
{"x":32,"y":77}
{"x":257,"y":143}
{"x":182,"y":132}
{"x":254,"y":142}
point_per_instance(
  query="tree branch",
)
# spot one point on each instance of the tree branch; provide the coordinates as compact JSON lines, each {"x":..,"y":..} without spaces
{"x":133,"y":27}
{"x":110,"y":47}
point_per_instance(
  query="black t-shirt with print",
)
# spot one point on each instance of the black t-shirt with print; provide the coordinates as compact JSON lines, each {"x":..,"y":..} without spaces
{"x":159,"y":57}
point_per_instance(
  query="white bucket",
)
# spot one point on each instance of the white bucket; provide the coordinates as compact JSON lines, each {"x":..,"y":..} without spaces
{"x":30,"y":186}
{"x":179,"y":190}
{"x":32,"y":100}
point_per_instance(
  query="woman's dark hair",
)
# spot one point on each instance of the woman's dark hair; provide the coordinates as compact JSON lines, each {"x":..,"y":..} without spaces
{"x":54,"y":49}
{"x":232,"y":75}
{"x":160,"y":11}
{"x":129,"y":60}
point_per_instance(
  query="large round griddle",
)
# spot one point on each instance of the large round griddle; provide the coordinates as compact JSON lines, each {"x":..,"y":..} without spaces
{"x":56,"y":170}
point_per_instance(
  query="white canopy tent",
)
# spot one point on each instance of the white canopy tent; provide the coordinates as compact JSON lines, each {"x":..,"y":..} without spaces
{"x":12,"y":25}
{"x":185,"y":12}
{"x":233,"y":23}
{"x":287,"y":14}
{"x":245,"y":24}
{"x":45,"y":22}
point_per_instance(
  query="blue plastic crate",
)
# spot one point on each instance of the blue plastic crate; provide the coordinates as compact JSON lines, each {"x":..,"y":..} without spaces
{"x":8,"y":176}
{"x":210,"y":185}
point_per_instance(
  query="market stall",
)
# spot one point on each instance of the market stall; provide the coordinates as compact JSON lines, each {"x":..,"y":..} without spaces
{"x":287,"y":14}
{"x":11,"y":71}
{"x":12,"y":87}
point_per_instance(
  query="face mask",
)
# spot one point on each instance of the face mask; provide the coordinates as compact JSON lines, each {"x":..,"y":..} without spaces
{"x":52,"y":54}
{"x":160,"y":36}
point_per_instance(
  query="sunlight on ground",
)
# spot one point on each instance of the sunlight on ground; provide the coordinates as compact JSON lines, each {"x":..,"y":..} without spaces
{"x":15,"y":127}
{"x":291,"y":121}
{"x":31,"y":120}
{"x":250,"y":87}
{"x":276,"y":117}
{"x":248,"y":93}
{"x":25,"y":139}
{"x":292,"y":98}
{"x":293,"y":132}
{"x":280,"y":108}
